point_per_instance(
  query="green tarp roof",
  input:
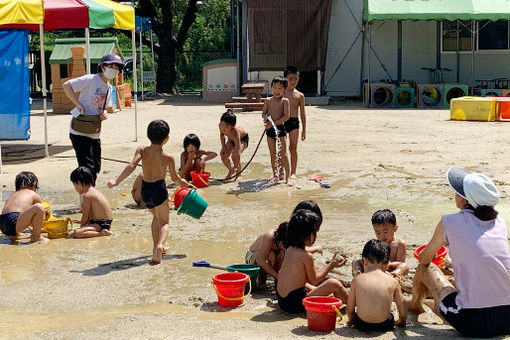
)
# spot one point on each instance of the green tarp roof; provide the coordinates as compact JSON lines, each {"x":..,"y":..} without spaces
{"x":436,"y":10}
{"x":98,"y":47}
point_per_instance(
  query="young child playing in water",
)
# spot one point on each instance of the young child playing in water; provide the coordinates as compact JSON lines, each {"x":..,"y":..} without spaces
{"x":234,"y":140}
{"x":268,"y":249}
{"x":155,"y":163}
{"x":191,"y":157}
{"x":297,"y":103}
{"x":372,"y":292}
{"x":385,"y":225}
{"x":96,"y":218}
{"x":23,"y":208}
{"x":298,"y":276}
{"x":276,"y":109}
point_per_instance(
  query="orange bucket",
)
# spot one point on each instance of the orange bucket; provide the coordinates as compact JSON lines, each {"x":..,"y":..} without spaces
{"x":230,"y":288}
{"x":179,"y":196}
{"x":440,"y":255}
{"x":321,"y":312}
{"x":200,"y":179}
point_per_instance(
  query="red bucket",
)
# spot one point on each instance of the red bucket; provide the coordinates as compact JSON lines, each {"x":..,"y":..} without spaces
{"x":179,"y":196}
{"x":200,"y":179}
{"x":230,"y":288}
{"x":321,"y":312}
{"x":440,"y":255}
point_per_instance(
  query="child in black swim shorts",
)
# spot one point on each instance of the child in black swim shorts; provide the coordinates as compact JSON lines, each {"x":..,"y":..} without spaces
{"x":155,"y":163}
{"x":96,"y":218}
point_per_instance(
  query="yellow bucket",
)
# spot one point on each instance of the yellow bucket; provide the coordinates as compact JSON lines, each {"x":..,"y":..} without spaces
{"x":48,"y":215}
{"x":57,"y":228}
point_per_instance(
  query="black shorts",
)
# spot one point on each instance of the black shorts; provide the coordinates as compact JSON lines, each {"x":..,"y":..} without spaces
{"x":386,"y":325}
{"x":272,"y":134}
{"x":291,"y":124}
{"x":293,"y":302}
{"x":103,"y":224}
{"x":8,"y":223}
{"x":245,"y":139}
{"x":476,"y":322}
{"x":154,"y":193}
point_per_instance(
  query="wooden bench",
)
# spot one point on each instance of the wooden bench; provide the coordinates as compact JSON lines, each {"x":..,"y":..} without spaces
{"x":253,"y":100}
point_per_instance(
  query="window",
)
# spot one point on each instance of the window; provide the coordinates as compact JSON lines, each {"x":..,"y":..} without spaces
{"x":493,"y":35}
{"x":452,"y":29}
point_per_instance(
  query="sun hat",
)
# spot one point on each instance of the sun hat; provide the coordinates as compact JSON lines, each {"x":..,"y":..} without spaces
{"x":112,"y":58}
{"x":476,"y":188}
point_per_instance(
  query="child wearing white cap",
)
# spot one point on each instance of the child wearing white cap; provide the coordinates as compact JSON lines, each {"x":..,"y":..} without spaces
{"x":479,"y":304}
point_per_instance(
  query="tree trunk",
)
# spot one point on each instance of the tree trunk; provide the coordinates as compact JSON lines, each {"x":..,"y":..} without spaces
{"x":166,"y":72}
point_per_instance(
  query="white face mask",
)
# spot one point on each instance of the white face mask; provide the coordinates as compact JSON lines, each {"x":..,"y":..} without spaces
{"x":110,"y":73}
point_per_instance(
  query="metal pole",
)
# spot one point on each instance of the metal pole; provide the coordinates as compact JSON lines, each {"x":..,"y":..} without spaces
{"x":135,"y":80}
{"x":87,"y":48}
{"x":0,"y":158}
{"x":399,"y":51}
{"x":362,"y":71}
{"x":153,"y":62}
{"x":472,"y":53}
{"x":238,"y":56}
{"x":458,"y":52}
{"x":318,"y":83}
{"x":43,"y":81}
{"x":141,"y":64}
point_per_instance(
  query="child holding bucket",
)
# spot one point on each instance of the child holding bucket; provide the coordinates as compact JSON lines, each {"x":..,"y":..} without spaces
{"x":372,"y":292}
{"x":297,"y":277}
{"x":234,"y":140}
{"x":385,"y":225}
{"x":23,"y":208}
{"x":268,"y":249}
{"x":96,"y":214}
{"x":155,"y":163}
{"x":191,"y":157}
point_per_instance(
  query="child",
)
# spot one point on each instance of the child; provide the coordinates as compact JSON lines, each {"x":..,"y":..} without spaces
{"x":96,"y":218}
{"x":235,"y":143}
{"x":276,"y":109}
{"x":268,"y":249}
{"x":372,"y":292}
{"x":385,"y":225}
{"x":136,"y":191}
{"x":191,"y":157}
{"x":298,"y":274}
{"x":297,"y":102}
{"x":155,"y":163}
{"x":23,"y":208}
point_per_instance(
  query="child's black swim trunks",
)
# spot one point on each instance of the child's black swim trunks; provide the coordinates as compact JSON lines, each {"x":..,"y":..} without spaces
{"x":272,"y":134}
{"x":293,"y":302}
{"x":154,"y":193}
{"x":291,"y":124}
{"x":8,"y":223}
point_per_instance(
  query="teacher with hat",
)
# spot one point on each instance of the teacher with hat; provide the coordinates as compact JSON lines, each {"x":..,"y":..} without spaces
{"x":477,"y":238}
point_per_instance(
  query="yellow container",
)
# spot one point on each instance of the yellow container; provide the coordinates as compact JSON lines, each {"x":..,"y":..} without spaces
{"x":473,"y":108}
{"x":57,"y":228}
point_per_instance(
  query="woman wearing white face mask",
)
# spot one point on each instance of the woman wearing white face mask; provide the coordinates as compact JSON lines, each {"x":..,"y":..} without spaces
{"x":91,"y":94}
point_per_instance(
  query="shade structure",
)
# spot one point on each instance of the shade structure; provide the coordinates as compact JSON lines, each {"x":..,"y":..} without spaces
{"x":436,"y":10}
{"x":21,"y":12}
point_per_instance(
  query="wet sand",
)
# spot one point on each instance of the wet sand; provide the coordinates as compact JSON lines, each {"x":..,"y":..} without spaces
{"x":104,"y":287}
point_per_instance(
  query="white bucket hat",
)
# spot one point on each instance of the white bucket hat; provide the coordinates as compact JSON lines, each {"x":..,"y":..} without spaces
{"x":476,"y":188}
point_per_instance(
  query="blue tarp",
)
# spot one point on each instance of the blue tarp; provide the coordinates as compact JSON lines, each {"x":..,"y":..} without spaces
{"x":143,"y":24}
{"x":14,"y":85}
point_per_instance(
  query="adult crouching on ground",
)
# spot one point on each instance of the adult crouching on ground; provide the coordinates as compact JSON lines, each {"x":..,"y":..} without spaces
{"x":91,"y":94}
{"x":479,"y":305}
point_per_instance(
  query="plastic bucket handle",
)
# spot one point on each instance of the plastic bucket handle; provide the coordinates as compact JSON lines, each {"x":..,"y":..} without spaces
{"x":201,"y":179}
{"x":232,"y":299}
{"x":335,"y":308}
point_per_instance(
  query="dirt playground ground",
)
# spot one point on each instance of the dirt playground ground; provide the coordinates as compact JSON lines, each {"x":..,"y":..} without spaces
{"x":104,"y":288}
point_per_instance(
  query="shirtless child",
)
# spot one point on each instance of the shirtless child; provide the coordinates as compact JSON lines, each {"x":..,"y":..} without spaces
{"x":298,"y":277}
{"x":277,"y":109}
{"x":191,"y":157}
{"x":385,"y":225}
{"x":155,"y":163}
{"x":234,"y":140}
{"x":23,"y":208}
{"x":372,"y":292}
{"x":297,"y":103}
{"x":96,"y":218}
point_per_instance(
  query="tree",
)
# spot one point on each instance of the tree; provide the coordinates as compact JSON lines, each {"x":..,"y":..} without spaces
{"x":161,"y":13}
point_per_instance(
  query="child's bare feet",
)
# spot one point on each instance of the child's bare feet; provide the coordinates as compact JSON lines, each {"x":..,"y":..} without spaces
{"x":105,"y":232}
{"x":165,"y":250}
{"x":293,"y":177}
{"x":414,"y":307}
{"x":289,"y":182}
{"x":40,"y":239}
{"x":273,"y":180}
{"x":158,"y":255}
{"x":230,"y":174}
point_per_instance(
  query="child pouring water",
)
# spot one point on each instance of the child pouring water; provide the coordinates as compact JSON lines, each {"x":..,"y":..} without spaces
{"x":155,"y":163}
{"x":298,"y":277}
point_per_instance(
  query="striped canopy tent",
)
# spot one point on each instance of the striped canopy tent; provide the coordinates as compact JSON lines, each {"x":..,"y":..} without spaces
{"x":50,"y":15}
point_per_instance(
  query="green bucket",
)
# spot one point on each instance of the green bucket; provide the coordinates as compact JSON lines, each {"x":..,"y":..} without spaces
{"x":252,"y":270}
{"x":192,"y":205}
